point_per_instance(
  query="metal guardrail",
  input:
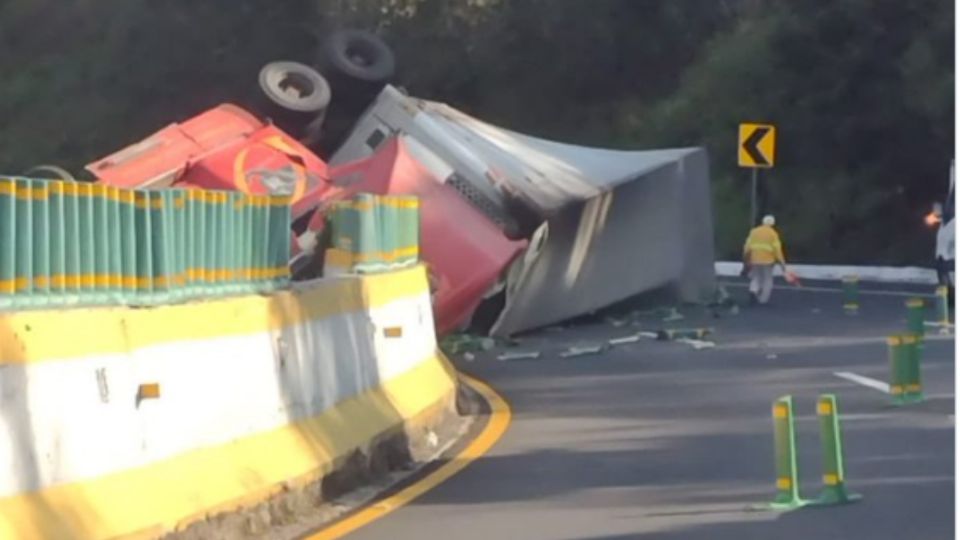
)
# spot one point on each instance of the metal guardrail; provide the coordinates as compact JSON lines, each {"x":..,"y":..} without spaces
{"x":78,"y":243}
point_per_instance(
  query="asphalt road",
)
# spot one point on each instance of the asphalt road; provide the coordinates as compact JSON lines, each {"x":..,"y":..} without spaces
{"x":658,"y":440}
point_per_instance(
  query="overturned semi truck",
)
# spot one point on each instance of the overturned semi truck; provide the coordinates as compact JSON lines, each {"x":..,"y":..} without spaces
{"x":525,"y":230}
{"x":602,"y":225}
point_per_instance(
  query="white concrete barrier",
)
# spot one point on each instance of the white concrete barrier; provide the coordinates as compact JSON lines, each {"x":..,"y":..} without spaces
{"x":120,"y":421}
{"x":883,"y":274}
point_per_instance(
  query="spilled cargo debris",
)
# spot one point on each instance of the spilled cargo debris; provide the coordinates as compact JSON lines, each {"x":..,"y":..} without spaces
{"x":697,"y":344}
{"x":616,"y":323}
{"x":583,"y":351}
{"x":624,"y":340}
{"x":672,"y":334}
{"x":674,"y":315}
{"x":532,"y":355}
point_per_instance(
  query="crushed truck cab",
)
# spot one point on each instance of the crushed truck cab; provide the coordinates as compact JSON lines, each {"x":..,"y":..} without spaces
{"x":227,"y":148}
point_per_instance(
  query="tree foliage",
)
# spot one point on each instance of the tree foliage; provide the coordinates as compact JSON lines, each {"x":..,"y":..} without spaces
{"x":861,"y":91}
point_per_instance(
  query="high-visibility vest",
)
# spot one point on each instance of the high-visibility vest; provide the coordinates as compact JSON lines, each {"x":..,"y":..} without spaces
{"x":763,"y":246}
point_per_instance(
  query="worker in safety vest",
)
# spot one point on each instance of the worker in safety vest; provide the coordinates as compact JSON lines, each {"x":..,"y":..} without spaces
{"x":762,"y":252}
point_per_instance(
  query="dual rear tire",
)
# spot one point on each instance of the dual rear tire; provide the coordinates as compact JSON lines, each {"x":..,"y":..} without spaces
{"x":298,"y":97}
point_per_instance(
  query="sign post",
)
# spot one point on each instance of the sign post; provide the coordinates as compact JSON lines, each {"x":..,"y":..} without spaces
{"x":756,"y":149}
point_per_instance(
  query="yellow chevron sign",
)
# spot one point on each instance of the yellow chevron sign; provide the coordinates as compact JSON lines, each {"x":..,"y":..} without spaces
{"x":756,"y":146}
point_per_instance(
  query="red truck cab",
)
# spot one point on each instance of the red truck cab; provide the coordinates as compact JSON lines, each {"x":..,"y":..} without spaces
{"x":227,"y":148}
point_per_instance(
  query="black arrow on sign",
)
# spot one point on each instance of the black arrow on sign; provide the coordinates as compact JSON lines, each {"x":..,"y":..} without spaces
{"x":750,"y":145}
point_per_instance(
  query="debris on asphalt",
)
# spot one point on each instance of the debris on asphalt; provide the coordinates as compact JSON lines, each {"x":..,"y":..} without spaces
{"x":462,"y":343}
{"x":672,"y":334}
{"x":673,"y":315}
{"x":651,"y":335}
{"x":722,"y":294}
{"x":509,"y":342}
{"x":532,"y":355}
{"x":771,"y":356}
{"x":697,"y":344}
{"x":459,"y":343}
{"x":469,"y":357}
{"x":624,"y":340}
{"x":723,"y":301}
{"x":583,"y":351}
{"x":616,"y":323}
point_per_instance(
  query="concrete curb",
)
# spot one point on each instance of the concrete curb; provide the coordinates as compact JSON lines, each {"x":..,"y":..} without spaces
{"x":881,"y":274}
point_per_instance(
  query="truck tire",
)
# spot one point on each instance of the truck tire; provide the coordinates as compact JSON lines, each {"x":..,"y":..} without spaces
{"x":358,"y":55}
{"x":294,"y":95}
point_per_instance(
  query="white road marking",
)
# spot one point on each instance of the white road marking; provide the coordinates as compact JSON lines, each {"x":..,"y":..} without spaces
{"x":865,"y":381}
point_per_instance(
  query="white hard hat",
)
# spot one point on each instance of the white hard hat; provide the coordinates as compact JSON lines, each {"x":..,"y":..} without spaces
{"x":769,"y":220}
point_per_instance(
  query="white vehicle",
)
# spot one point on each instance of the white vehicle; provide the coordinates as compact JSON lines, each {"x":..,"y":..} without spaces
{"x":944,"y":218}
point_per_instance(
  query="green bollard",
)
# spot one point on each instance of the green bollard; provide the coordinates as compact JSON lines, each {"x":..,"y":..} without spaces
{"x":831,"y":442}
{"x":912,"y":390}
{"x":785,"y":455}
{"x":851,"y":294}
{"x":915,"y":317}
{"x":898,"y":369}
{"x":943,"y":307}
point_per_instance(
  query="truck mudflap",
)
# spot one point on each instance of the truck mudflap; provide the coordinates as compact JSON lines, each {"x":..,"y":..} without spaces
{"x":650,"y":232}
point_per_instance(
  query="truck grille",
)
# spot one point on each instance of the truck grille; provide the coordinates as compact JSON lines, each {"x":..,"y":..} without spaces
{"x":476,"y":198}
